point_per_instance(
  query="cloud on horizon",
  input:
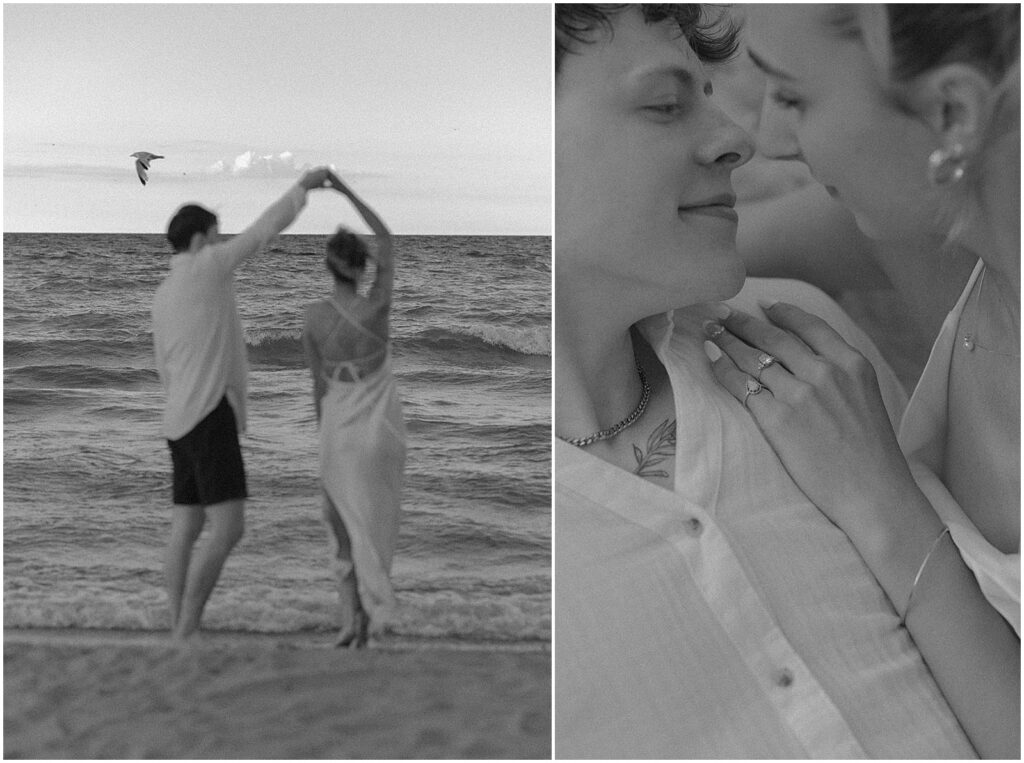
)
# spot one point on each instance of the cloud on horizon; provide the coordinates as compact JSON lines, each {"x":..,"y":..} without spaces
{"x":251,"y":164}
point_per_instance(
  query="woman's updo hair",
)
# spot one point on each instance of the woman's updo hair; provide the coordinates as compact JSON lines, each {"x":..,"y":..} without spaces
{"x":346,"y":255}
{"x":905,"y":41}
{"x":924,"y":36}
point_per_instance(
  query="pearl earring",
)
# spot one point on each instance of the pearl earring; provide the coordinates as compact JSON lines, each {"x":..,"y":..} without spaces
{"x":946,"y":166}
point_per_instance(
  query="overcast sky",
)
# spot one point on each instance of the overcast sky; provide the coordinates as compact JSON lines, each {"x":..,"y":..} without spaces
{"x":438,"y":115}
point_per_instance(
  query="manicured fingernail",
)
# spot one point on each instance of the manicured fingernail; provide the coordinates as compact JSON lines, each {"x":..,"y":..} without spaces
{"x":722,"y":311}
{"x":712,"y":351}
{"x":713,"y":328}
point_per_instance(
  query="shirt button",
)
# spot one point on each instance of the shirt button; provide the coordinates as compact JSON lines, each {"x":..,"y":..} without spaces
{"x":694,"y":527}
{"x":783,"y":678}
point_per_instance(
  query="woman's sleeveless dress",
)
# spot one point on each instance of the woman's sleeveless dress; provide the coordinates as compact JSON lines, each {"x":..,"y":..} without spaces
{"x":923,"y":439}
{"x":362,"y":459}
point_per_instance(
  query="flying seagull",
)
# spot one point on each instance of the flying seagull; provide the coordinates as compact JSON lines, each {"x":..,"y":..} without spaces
{"x":142,"y":160}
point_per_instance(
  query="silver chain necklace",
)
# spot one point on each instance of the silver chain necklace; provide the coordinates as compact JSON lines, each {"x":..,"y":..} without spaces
{"x":604,"y":434}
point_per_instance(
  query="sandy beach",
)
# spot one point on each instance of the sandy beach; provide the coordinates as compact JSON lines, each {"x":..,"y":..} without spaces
{"x":130,"y":694}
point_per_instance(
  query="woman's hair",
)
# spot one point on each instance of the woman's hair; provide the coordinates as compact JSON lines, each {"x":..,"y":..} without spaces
{"x":188,"y":221}
{"x":929,"y":35}
{"x":712,"y":39}
{"x":346,"y":255}
{"x":907,"y":40}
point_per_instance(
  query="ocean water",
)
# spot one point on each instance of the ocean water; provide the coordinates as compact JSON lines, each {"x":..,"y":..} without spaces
{"x":87,"y":476}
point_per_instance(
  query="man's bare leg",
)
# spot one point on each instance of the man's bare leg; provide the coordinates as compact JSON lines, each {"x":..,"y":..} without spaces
{"x":353,"y":625}
{"x":227,"y":525}
{"x":186,"y":524}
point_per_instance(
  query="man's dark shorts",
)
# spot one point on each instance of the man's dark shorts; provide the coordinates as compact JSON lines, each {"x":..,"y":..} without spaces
{"x":208,"y":460}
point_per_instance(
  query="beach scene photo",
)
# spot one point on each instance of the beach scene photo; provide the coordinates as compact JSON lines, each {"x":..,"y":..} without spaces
{"x":438,"y":117}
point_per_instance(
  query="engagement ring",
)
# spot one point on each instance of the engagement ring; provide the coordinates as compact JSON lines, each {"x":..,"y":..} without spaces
{"x":754,"y":387}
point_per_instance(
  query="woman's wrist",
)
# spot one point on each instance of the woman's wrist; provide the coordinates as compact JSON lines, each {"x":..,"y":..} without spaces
{"x":899,"y":529}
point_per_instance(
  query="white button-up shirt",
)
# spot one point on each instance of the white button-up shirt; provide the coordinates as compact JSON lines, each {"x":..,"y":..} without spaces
{"x":728,"y":618}
{"x":197,"y":334}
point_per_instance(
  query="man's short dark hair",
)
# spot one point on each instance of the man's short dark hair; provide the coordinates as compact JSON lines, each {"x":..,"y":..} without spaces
{"x":188,"y":221}
{"x":712,"y":37}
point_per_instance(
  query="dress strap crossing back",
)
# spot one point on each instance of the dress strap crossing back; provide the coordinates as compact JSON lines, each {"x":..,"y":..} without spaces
{"x":350,"y":370}
{"x":353,"y":321}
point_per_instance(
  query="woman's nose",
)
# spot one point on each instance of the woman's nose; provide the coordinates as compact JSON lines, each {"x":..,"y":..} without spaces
{"x":775,"y":136}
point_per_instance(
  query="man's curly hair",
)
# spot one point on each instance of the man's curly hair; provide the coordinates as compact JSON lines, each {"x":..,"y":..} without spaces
{"x":712,"y":37}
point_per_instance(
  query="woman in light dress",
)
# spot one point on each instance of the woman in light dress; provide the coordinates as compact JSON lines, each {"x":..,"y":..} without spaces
{"x":910,"y":116}
{"x":362,"y":434}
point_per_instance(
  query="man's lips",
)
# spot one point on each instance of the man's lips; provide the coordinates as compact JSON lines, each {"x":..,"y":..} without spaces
{"x":718,"y":206}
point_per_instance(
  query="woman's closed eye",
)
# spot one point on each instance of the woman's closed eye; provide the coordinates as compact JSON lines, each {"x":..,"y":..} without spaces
{"x":787,"y":101}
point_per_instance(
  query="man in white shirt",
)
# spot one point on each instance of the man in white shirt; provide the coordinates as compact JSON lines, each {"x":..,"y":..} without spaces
{"x":704,"y":607}
{"x":200,"y":356}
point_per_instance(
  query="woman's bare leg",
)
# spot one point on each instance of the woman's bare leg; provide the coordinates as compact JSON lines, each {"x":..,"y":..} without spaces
{"x":353,"y":619}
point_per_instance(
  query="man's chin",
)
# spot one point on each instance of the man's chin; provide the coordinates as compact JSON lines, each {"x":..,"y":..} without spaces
{"x":729,"y":280}
{"x":709,"y":282}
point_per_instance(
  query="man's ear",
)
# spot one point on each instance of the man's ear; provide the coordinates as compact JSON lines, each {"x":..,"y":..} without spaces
{"x":956,"y":101}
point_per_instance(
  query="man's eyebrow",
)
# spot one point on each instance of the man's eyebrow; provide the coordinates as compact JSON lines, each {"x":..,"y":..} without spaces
{"x":685,"y":77}
{"x":767,"y":68}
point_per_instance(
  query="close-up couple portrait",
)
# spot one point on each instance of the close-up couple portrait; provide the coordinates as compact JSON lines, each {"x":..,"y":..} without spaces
{"x":787,"y":381}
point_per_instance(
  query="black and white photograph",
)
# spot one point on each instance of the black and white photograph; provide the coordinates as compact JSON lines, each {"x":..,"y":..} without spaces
{"x":787,"y":381}
{"x":277,"y":381}
{"x":512,"y":381}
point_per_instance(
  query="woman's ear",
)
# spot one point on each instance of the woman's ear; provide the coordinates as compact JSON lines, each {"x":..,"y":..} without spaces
{"x":956,"y":102}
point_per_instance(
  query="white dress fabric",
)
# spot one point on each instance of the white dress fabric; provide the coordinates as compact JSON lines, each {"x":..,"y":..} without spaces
{"x":728,"y":618}
{"x":362,"y":461}
{"x":922,"y":436}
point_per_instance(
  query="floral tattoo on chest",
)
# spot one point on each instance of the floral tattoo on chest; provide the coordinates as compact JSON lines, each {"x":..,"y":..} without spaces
{"x":661,"y":444}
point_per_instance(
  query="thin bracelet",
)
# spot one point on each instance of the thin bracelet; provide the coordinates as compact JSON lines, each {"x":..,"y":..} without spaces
{"x":917,"y":577}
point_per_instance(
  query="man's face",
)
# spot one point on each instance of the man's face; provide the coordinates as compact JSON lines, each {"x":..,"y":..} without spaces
{"x":642,"y":164}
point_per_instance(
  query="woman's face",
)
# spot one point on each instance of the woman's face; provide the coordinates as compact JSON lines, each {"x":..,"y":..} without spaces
{"x":824,"y":105}
{"x":643,"y":199}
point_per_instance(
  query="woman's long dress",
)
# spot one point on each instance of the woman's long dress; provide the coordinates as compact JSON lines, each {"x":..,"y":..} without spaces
{"x":362,"y":459}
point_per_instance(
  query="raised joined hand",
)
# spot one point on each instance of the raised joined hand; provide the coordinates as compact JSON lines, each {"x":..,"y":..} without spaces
{"x":315,"y":178}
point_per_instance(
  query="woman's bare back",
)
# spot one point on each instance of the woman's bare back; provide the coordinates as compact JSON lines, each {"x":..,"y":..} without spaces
{"x":355,"y":331}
